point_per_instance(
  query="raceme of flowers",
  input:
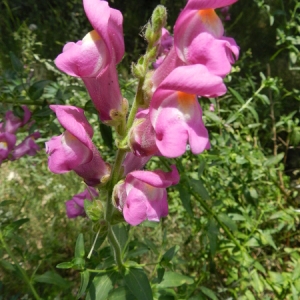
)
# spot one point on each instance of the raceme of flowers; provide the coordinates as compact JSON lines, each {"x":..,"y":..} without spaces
{"x":8,"y":136}
{"x":189,"y":65}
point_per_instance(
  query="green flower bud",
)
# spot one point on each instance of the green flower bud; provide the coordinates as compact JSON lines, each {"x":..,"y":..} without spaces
{"x":159,"y":18}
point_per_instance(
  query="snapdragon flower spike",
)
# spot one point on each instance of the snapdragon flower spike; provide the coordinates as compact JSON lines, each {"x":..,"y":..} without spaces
{"x":27,"y":147}
{"x":75,"y":206}
{"x":74,"y":149}
{"x":199,"y":37}
{"x":13,"y":123}
{"x":175,"y":112}
{"x":143,"y":196}
{"x":94,"y":58}
{"x":7,"y":143}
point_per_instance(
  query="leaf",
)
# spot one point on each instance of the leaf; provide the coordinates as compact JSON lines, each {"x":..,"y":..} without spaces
{"x":185,"y":198}
{"x":7,"y":202}
{"x":160,"y":274}
{"x":101,"y":286}
{"x":236,"y":95}
{"x":228,"y":222}
{"x":212,"y":234}
{"x":36,"y":90}
{"x":168,"y":256}
{"x":120,"y":232}
{"x":65,"y":265}
{"x":16,"y":63}
{"x":106,"y":134}
{"x":51,"y":277}
{"x":138,"y":283}
{"x":257,"y":283}
{"x":120,"y":293}
{"x":201,"y":168}
{"x":172,"y":279}
{"x":199,"y":188}
{"x":79,"y":248}
{"x":84,"y":276}
{"x":208,"y":292}
{"x":273,"y":160}
{"x":213,"y":117}
{"x":14,"y":226}
{"x":7,"y":265}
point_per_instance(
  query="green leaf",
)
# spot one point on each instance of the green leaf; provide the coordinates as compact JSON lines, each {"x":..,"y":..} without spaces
{"x":137,"y":282}
{"x":257,"y":283}
{"x":201,"y":167}
{"x":120,"y":293}
{"x":172,"y":279}
{"x":121,"y":234}
{"x":14,"y":226}
{"x":168,"y":256}
{"x":84,"y":276}
{"x":212,"y":234}
{"x":51,"y":277}
{"x":65,"y":265}
{"x":185,"y":198}
{"x":236,"y":95}
{"x":16,"y":63}
{"x":228,"y":222}
{"x":106,"y":134}
{"x":160,"y":274}
{"x":101,"y":286}
{"x":7,"y":202}
{"x":36,"y":90}
{"x":213,"y":117}
{"x":7,"y":265}
{"x":208,"y":292}
{"x":273,"y":160}
{"x":79,"y":248}
{"x":199,"y":188}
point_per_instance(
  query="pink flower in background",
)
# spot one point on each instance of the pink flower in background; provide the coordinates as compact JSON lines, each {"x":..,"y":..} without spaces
{"x":211,"y":107}
{"x":225,"y":13}
{"x":94,"y":58}
{"x":7,"y":143}
{"x":74,"y":149}
{"x":143,"y":196}
{"x":75,"y":206}
{"x":27,"y":147}
{"x":13,"y":123}
{"x":175,"y":113}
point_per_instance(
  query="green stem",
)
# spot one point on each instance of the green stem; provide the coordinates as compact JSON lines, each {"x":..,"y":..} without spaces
{"x":21,"y":270}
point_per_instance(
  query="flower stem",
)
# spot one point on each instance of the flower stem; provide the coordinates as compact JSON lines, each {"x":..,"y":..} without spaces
{"x":21,"y":270}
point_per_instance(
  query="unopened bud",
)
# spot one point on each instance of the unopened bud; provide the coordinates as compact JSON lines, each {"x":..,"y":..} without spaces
{"x":159,"y":18}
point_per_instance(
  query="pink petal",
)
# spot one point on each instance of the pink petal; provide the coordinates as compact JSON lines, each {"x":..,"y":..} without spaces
{"x":206,"y":4}
{"x":66,"y":152}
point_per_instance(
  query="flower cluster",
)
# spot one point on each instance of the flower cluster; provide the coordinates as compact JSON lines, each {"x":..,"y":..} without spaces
{"x":190,"y":65}
{"x":8,"y":138}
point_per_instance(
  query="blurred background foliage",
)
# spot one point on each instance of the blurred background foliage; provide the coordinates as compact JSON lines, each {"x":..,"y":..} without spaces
{"x":235,"y":214}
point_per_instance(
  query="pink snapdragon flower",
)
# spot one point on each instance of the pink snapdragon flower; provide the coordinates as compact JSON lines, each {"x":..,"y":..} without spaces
{"x":199,"y":37}
{"x":175,"y":112}
{"x":27,"y":147}
{"x":74,"y":149}
{"x":75,"y":206}
{"x":7,"y":143}
{"x":142,"y":135}
{"x":143,"y":196}
{"x":94,"y":58}
{"x":13,"y":123}
{"x":133,"y":162}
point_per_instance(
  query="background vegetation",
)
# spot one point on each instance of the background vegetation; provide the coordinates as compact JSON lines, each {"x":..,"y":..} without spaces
{"x":232,"y":232}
